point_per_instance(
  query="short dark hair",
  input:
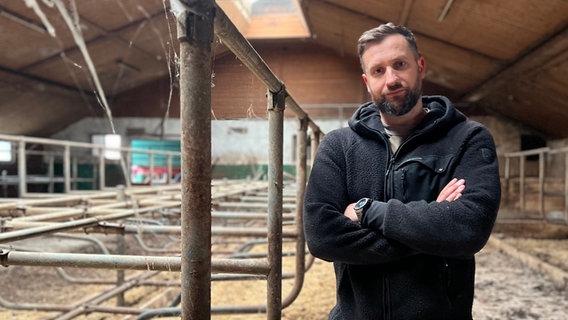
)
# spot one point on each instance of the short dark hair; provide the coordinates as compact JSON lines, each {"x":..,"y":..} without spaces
{"x":379,"y":33}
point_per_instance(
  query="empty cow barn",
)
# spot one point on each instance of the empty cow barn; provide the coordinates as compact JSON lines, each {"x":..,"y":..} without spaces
{"x":283,"y":159}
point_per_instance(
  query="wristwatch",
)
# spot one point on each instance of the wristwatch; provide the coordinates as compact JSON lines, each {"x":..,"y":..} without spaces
{"x":361,"y":207}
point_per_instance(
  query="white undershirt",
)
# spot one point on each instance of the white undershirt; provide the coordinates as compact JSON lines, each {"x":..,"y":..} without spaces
{"x":396,"y":138}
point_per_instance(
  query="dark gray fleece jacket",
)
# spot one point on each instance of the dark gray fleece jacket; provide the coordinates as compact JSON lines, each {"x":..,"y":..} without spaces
{"x":411,"y":257}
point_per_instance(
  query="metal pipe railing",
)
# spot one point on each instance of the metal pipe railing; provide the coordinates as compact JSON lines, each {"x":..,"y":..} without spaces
{"x":70,"y":161}
{"x":541,"y":178}
{"x":110,"y":261}
{"x":196,"y":23}
{"x":239,"y":45}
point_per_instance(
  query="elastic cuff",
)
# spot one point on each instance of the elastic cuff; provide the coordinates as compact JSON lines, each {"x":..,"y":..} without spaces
{"x":374,"y":216}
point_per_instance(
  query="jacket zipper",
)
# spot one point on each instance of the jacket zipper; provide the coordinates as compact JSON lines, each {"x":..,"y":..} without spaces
{"x":404,"y":186}
{"x":389,"y":192}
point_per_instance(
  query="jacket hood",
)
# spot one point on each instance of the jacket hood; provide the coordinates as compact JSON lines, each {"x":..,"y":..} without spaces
{"x":366,"y":121}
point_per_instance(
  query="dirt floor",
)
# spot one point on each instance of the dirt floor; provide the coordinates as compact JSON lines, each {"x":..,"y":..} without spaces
{"x":506,"y":287}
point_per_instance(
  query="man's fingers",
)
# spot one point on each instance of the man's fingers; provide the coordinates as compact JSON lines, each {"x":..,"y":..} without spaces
{"x":456,"y":193}
{"x":452,"y":190}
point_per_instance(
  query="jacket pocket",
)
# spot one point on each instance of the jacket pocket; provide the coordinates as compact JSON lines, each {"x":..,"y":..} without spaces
{"x":422,"y":178}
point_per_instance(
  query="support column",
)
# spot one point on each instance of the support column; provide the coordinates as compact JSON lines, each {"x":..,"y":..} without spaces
{"x":22,"y":169}
{"x":276,"y":105}
{"x":195,"y":33}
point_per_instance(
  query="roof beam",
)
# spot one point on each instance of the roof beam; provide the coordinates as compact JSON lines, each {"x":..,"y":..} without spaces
{"x":405,"y":13}
{"x":46,"y":81}
{"x":533,"y":61}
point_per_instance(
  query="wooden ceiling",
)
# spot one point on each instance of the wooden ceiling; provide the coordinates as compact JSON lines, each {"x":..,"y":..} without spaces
{"x":508,"y":57}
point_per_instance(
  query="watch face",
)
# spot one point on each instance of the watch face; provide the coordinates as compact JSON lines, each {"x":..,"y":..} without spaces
{"x":361,"y":203}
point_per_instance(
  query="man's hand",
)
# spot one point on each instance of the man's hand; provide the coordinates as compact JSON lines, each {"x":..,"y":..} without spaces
{"x":350,"y":212}
{"x":452,"y":191}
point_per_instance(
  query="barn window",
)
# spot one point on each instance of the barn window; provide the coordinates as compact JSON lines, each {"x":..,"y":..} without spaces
{"x":111,"y":142}
{"x":6,"y":154}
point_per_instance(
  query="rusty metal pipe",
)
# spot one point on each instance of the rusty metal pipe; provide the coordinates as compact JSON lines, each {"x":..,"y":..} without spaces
{"x":239,"y":45}
{"x":301,"y":180}
{"x":68,"y":225}
{"x":276,"y":105}
{"x":77,"y":260}
{"x":195,"y":32}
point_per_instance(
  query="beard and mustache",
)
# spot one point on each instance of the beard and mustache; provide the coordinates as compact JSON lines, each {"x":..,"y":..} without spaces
{"x":402,"y":106}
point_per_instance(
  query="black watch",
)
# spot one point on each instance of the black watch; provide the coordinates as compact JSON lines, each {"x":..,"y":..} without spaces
{"x":361,"y":207}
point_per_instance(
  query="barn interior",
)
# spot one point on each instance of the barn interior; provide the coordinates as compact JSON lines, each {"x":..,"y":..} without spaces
{"x":93,"y":120}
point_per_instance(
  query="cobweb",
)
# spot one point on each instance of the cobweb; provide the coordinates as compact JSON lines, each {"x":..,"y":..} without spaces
{"x":71,"y":17}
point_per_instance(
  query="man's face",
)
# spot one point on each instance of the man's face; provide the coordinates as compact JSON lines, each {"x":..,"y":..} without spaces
{"x":393,"y":75}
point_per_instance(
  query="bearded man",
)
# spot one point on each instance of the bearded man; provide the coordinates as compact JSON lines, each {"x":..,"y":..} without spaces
{"x":402,"y":199}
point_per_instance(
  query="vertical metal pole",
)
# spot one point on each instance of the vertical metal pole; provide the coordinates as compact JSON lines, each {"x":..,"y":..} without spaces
{"x":50,"y":172}
{"x":67,"y":169}
{"x":22,"y":165}
{"x":522,"y":183}
{"x":151,"y":166}
{"x":541,"y":173}
{"x":102,"y":171}
{"x":120,"y":248}
{"x":276,"y":105}
{"x":566,"y":187}
{"x":316,"y":136}
{"x":74,"y":173}
{"x":129,"y":167}
{"x":195,"y":32}
{"x":507,"y":180}
{"x":169,"y":164}
{"x":301,"y":179}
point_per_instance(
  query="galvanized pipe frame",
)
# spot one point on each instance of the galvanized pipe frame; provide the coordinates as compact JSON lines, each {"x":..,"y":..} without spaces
{"x":241,"y":47}
{"x":110,"y":261}
{"x":273,"y":308}
{"x":94,"y":308}
{"x":85,"y":305}
{"x":96,"y":217}
{"x":542,"y":154}
{"x":195,"y":35}
{"x":66,"y":146}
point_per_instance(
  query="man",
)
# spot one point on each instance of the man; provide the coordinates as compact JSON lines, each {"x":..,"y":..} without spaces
{"x":403,"y":198}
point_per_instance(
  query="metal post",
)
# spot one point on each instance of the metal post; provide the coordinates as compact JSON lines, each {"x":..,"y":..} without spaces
{"x":23,"y":186}
{"x":74,"y":173}
{"x":129,"y":167}
{"x":301,"y":179}
{"x":169,"y":164}
{"x":195,"y":33}
{"x":566,"y":187}
{"x":316,"y":136}
{"x":276,"y":105}
{"x":522,"y":184}
{"x":507,"y":180}
{"x":121,"y":249}
{"x":102,"y":171}
{"x":541,"y":173}
{"x":151,"y":167}
{"x":50,"y":172}
{"x":67,"y":169}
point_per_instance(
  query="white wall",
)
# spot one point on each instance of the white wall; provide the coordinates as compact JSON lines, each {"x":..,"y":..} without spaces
{"x":233,"y":141}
